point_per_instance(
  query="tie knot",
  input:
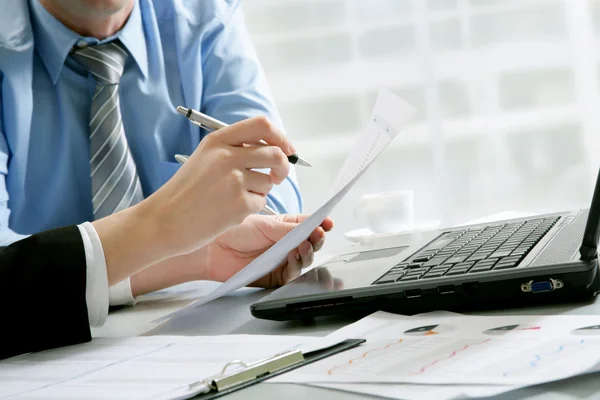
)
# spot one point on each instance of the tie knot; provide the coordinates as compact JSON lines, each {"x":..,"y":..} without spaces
{"x":106,"y":61}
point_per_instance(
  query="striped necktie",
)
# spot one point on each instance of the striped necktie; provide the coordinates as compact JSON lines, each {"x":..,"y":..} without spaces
{"x":115,"y":183}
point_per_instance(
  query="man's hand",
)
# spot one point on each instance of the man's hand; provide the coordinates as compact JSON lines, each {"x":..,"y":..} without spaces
{"x":233,"y":250}
{"x":236,"y":248}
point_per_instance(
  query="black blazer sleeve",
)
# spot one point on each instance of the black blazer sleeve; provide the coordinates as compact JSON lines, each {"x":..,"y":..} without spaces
{"x":42,"y":292}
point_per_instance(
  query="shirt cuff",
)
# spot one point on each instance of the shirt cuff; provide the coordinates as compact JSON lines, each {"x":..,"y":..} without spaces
{"x":120,"y":294}
{"x":96,"y":289}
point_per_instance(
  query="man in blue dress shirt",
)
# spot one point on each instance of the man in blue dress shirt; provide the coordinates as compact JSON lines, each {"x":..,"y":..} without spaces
{"x":195,"y":53}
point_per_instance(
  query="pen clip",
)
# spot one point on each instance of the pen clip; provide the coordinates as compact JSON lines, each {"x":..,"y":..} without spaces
{"x":200,"y":125}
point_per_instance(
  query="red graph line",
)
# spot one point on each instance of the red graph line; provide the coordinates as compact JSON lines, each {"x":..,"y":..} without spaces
{"x":330,"y":372}
{"x":455,"y":352}
{"x":533,"y":328}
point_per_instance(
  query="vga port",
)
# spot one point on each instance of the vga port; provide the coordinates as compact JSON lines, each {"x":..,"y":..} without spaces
{"x":542,"y":286}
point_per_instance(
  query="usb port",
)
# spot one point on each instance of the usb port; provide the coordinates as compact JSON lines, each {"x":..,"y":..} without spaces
{"x":447,"y":289}
{"x":411,"y":294}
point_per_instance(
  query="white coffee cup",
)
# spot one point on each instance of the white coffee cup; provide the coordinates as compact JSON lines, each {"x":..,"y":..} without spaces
{"x":387,"y":212}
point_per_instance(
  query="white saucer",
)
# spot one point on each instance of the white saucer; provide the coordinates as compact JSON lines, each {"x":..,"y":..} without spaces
{"x":358,"y":235}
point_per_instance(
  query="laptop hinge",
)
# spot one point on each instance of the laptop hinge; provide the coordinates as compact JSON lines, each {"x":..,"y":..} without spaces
{"x":588,"y":253}
{"x":591,"y":234}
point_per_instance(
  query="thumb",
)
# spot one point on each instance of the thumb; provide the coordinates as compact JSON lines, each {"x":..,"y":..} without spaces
{"x":296,"y":218}
{"x":279,"y":229}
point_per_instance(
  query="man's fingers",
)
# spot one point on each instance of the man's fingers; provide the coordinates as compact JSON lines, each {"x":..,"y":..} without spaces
{"x":307,"y":254}
{"x":274,"y":229}
{"x":254,"y":203}
{"x":265,"y":157}
{"x":293,"y":268}
{"x":254,"y":130}
{"x":257,"y":182}
{"x":327,"y":224}
{"x":317,"y":238}
{"x":280,"y":225}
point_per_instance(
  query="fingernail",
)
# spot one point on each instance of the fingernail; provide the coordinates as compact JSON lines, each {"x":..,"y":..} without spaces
{"x":292,"y":149}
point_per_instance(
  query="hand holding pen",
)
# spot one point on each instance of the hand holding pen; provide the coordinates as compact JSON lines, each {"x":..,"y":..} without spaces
{"x":212,"y":124}
{"x":218,"y":187}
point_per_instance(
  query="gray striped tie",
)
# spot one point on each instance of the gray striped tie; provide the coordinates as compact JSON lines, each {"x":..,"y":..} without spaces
{"x":115,"y":183}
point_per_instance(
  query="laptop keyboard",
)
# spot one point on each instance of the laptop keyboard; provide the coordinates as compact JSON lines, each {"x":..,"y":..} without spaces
{"x":493,"y":248}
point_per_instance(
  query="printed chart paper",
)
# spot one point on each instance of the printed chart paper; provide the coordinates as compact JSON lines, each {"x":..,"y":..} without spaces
{"x":502,"y":350}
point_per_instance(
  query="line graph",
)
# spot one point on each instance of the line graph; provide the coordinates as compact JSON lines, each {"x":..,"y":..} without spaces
{"x":453,"y":354}
{"x":537,"y":358}
{"x":363,"y":356}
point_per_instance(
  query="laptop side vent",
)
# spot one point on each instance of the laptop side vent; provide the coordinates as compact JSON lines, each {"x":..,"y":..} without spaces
{"x":565,"y":243}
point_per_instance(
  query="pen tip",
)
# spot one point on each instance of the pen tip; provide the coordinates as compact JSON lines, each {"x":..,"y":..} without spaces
{"x":182,"y":110}
{"x":303,"y":163}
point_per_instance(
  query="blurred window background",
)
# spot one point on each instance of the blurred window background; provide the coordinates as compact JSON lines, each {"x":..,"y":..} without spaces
{"x":507,"y":93}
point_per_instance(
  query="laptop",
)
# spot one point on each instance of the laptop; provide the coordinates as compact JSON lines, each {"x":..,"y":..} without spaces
{"x":518,"y":262}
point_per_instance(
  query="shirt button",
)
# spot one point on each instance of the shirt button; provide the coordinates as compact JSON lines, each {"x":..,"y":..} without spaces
{"x":81,"y":43}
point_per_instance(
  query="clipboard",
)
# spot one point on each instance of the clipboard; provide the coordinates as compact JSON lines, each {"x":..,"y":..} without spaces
{"x":259,"y":371}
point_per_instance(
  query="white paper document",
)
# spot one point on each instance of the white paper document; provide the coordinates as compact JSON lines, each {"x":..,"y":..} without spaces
{"x":513,"y":351}
{"x":158,"y":367}
{"x":412,"y":391}
{"x":390,"y":114}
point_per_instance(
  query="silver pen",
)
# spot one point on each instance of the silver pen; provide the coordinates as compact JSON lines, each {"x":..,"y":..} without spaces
{"x":212,"y":124}
{"x":181,"y":159}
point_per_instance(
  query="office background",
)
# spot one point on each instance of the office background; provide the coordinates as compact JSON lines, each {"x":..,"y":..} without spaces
{"x":507,"y":93}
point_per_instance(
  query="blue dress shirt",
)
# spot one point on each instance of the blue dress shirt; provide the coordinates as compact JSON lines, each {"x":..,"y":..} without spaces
{"x":53,"y":187}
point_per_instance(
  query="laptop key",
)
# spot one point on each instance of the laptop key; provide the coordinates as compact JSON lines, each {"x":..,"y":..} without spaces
{"x":430,"y":275}
{"x":422,"y":258}
{"x":385,"y":279}
{"x":457,"y":258}
{"x":457,"y":271}
{"x":477,"y":257}
{"x":506,"y":264}
{"x":499,"y":266}
{"x":502,"y":253}
{"x":481,"y":268}
{"x":515,"y":257}
{"x":434,"y":261}
{"x":409,"y":278}
{"x":465,"y":264}
{"x":488,"y":261}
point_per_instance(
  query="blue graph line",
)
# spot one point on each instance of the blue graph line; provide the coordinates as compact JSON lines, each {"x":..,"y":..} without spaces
{"x":538,"y":357}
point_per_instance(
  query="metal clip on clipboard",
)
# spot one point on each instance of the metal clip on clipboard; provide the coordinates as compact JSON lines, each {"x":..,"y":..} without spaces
{"x":250,"y":372}
{"x":231,"y":379}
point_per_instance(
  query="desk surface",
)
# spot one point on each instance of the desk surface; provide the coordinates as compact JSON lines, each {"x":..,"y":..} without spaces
{"x":231,"y":315}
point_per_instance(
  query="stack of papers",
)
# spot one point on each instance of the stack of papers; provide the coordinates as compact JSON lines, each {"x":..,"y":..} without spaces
{"x":445,"y":355}
{"x":159,"y":367}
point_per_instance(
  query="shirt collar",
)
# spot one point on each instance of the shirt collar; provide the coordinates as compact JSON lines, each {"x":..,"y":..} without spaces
{"x":132,"y":37}
{"x":54,"y":40}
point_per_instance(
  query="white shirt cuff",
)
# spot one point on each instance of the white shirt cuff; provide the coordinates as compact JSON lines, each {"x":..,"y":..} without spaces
{"x":96,"y":289}
{"x":120,"y":294}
